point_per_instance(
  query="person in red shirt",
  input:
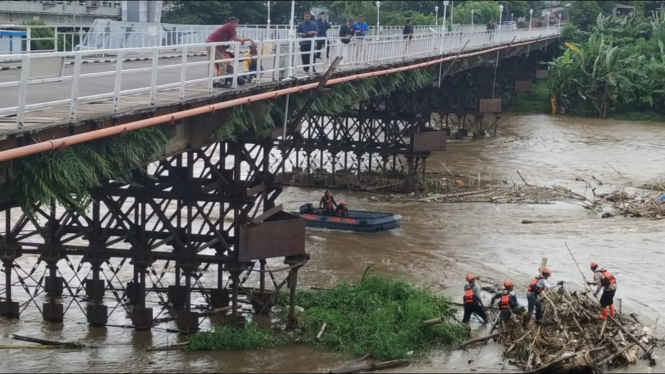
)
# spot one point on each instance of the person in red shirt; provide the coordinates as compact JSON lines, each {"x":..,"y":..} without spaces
{"x":226,"y":33}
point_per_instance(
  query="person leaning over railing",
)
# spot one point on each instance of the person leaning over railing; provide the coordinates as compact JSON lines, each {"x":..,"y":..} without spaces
{"x":226,"y":33}
{"x":407,"y":31}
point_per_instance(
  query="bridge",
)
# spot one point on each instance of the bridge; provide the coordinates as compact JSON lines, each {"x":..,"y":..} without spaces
{"x":143,"y":161}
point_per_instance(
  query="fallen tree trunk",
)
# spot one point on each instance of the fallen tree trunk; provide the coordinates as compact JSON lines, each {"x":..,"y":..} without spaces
{"x":46,"y":342}
{"x":631,"y":336}
{"x":478,"y":340}
{"x":370,"y":367}
{"x":461,"y":194}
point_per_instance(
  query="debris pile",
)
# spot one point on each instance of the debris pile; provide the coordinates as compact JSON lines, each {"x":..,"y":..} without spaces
{"x":642,"y":203}
{"x":575,"y":339}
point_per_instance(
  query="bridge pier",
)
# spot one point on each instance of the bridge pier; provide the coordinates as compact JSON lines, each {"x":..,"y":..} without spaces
{"x":53,"y":311}
{"x":142,"y":316}
{"x":8,"y":307}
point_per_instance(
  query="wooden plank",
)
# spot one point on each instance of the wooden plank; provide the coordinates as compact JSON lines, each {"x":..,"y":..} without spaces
{"x":256,"y":189}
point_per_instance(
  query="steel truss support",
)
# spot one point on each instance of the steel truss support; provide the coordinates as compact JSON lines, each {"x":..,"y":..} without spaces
{"x":191,"y":227}
{"x":383,"y":137}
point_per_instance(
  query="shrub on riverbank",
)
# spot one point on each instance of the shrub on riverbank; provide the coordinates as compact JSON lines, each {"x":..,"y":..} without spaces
{"x":229,"y":338}
{"x":379,"y":315}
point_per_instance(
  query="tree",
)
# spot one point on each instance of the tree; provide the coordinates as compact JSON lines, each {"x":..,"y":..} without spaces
{"x":484,"y":11}
{"x":583,"y":14}
{"x":249,"y":12}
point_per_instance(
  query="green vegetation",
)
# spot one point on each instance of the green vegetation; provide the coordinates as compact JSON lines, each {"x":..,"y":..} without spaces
{"x":619,"y":68}
{"x":48,"y":36}
{"x":379,"y":315}
{"x":537,"y":101}
{"x":251,"y":336}
{"x":66,"y":176}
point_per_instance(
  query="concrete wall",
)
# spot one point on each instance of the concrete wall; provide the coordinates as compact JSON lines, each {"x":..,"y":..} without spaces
{"x":55,"y":12}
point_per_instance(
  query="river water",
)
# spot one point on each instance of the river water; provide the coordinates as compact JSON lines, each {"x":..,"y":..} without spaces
{"x":436,"y":245}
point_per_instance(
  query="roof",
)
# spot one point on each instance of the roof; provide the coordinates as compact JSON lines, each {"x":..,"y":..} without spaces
{"x":12,"y":33}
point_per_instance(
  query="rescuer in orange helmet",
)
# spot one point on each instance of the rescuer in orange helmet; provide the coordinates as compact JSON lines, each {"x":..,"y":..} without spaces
{"x":472,"y":301}
{"x":603,"y":279}
{"x":536,"y":287}
{"x":342,"y":211}
{"x":508,"y":303}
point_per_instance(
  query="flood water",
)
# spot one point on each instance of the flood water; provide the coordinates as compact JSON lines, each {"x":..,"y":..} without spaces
{"x":436,"y":246}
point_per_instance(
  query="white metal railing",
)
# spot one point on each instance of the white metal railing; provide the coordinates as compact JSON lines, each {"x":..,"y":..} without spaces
{"x":277,"y":60}
{"x":106,"y":34}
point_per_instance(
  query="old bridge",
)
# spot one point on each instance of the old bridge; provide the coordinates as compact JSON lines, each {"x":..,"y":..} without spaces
{"x":198,"y":222}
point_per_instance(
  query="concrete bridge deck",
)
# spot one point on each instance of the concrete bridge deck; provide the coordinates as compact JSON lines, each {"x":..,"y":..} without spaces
{"x":47,"y":95}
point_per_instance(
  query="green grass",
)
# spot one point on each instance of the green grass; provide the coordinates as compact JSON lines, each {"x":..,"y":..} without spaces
{"x":379,"y":315}
{"x":251,"y":336}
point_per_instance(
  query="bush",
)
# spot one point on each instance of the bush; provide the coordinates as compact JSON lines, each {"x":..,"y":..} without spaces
{"x":379,"y":315}
{"x":251,"y":336}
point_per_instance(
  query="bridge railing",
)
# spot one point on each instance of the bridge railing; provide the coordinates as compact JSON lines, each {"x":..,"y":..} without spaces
{"x":276,"y":60}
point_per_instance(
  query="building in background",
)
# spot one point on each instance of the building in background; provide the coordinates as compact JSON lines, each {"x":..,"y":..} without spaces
{"x":80,"y":13}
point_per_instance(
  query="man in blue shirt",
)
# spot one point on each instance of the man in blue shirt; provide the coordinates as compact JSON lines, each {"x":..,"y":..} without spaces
{"x":307,"y":29}
{"x":360,"y":28}
{"x":322,"y":25}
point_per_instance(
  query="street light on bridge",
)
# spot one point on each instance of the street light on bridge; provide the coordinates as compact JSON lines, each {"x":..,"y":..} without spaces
{"x":443,"y":23}
{"x":500,"y":25}
{"x":436,"y":18}
{"x":378,"y":29}
{"x":530,"y":18}
{"x":472,"y":28}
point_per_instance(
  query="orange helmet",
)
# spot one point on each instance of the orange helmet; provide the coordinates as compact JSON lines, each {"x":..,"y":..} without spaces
{"x":593,"y":266}
{"x":342,"y":202}
{"x":508,"y":284}
{"x":470,"y":277}
{"x":546,"y":271}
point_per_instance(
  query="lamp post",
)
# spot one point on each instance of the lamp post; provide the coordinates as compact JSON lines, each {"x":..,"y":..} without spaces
{"x":436,"y":18}
{"x":443,"y":23}
{"x":452,"y":15}
{"x":548,"y":18}
{"x":472,"y":27}
{"x":378,"y":30}
{"x":500,"y":18}
{"x":292,"y":36}
{"x":530,"y":18}
{"x":268,"y":2}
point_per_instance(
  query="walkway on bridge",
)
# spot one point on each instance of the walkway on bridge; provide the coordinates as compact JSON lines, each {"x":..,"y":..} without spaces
{"x":47,"y":91}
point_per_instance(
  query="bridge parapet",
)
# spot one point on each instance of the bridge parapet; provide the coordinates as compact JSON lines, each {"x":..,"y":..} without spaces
{"x":149,"y":84}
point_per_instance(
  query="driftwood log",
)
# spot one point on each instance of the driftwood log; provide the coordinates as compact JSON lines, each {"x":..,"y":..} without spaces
{"x":369,"y":367}
{"x":47,"y":342}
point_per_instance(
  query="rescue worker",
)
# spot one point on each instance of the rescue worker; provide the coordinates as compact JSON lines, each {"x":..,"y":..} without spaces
{"x":537,"y":286}
{"x":603,"y":279}
{"x":508,"y":303}
{"x":472,"y":301}
{"x":328,"y":203}
{"x":342,"y":211}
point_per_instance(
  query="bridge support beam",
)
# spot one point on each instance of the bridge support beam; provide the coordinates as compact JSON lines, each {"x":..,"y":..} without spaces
{"x":381,"y":141}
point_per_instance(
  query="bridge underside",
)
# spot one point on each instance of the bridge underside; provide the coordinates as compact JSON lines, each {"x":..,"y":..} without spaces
{"x":201,"y":229}
{"x":382,"y":144}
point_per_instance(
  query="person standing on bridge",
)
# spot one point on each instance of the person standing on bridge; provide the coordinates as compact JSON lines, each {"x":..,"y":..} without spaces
{"x":226,"y":33}
{"x":322,"y":26}
{"x":407,"y":31}
{"x":307,"y":29}
{"x":346,"y":35}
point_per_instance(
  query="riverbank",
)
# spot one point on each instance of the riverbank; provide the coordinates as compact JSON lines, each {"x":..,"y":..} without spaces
{"x":538,"y":101}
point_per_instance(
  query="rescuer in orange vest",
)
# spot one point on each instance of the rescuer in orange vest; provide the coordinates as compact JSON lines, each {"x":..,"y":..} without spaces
{"x":537,"y":286}
{"x":328,"y":203}
{"x":603,"y":279}
{"x":508,"y":303}
{"x":472,"y":301}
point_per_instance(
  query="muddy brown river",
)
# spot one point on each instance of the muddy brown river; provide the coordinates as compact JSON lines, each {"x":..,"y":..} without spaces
{"x":436,"y":245}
